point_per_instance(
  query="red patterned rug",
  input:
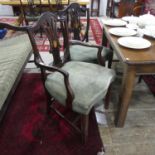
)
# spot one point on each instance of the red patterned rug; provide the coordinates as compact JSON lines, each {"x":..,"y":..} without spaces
{"x":25,"y":130}
{"x":10,"y":20}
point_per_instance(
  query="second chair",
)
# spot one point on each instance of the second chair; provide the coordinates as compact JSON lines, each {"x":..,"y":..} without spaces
{"x":80,"y":51}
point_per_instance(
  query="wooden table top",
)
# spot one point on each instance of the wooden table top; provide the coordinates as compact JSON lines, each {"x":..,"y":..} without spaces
{"x":44,"y":2}
{"x":132,"y":56}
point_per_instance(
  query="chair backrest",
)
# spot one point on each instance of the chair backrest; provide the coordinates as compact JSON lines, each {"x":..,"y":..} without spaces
{"x":48,"y":23}
{"x":110,"y":8}
{"x":73,"y":13}
{"x":55,"y":5}
{"x":31,"y":8}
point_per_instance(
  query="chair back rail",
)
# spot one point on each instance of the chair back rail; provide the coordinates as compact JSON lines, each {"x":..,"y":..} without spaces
{"x":55,"y":5}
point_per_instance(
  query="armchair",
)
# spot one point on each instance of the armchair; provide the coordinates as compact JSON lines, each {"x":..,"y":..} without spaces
{"x":80,"y":51}
{"x":78,"y":86}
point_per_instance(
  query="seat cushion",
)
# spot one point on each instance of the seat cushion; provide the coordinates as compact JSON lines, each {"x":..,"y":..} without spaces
{"x":13,"y":53}
{"x":32,"y":18}
{"x":89,"y":83}
{"x":87,"y":54}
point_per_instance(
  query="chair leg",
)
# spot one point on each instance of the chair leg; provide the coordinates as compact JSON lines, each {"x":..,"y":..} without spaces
{"x":140,"y":79}
{"x":110,"y":58}
{"x":107,"y":98}
{"x":84,"y":127}
{"x":48,"y":103}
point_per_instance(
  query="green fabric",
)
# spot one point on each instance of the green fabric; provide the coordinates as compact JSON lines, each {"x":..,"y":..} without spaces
{"x":87,"y":54}
{"x":13,"y":53}
{"x":89,"y":83}
{"x":32,"y":18}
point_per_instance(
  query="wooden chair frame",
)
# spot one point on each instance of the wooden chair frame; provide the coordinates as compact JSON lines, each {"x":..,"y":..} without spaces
{"x":47,"y":23}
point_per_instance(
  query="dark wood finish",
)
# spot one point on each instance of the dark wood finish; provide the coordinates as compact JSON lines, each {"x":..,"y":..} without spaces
{"x":110,"y":8}
{"x":135,"y":62}
{"x":138,"y":10}
{"x":73,"y":14}
{"x":127,"y":7}
{"x":107,"y":98}
{"x":84,"y":127}
{"x":57,"y":6}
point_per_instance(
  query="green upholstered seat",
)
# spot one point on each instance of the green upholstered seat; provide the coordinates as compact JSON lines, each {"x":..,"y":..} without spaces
{"x":87,"y":54}
{"x":32,"y":18}
{"x":13,"y":53}
{"x":89,"y":83}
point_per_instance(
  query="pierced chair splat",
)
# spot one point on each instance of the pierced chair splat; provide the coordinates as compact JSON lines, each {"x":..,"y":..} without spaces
{"x":74,"y":12}
{"x":77,"y":86}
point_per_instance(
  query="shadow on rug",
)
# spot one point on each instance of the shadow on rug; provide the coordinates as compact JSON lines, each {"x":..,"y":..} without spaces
{"x":25,"y":130}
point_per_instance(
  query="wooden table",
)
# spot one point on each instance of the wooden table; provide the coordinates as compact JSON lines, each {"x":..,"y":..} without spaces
{"x":135,"y":62}
{"x":44,"y":2}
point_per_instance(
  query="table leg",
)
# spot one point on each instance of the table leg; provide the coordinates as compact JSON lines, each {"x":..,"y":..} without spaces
{"x":125,"y":94}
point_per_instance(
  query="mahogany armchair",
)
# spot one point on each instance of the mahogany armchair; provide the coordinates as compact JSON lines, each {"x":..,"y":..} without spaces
{"x":78,"y":86}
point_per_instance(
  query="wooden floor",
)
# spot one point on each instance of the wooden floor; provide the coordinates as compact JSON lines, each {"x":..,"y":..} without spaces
{"x":137,"y":137}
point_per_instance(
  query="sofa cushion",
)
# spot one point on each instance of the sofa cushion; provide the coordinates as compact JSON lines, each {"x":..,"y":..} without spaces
{"x":13,"y":54}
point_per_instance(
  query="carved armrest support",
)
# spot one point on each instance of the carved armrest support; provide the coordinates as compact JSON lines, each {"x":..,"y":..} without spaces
{"x":70,"y":94}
